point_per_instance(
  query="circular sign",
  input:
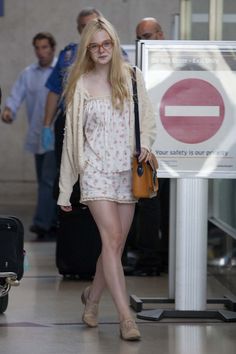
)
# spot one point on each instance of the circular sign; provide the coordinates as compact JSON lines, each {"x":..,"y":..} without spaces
{"x":192,"y":110}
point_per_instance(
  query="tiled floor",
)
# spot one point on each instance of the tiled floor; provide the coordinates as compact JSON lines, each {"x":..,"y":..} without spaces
{"x":44,"y":314}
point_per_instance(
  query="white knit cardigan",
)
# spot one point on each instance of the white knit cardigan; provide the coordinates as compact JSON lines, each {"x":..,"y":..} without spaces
{"x":72,"y":161}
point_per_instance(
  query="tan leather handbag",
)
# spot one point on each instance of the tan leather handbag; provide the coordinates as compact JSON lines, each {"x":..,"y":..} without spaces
{"x":145,"y":181}
{"x":144,"y":174}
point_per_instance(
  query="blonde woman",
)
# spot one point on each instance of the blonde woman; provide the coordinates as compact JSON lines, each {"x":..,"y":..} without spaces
{"x":98,"y":146}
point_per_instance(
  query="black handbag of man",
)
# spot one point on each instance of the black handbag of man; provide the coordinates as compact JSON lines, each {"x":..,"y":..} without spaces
{"x":11,"y":256}
{"x":78,"y":242}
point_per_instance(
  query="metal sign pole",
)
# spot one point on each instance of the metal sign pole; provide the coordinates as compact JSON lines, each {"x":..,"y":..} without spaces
{"x":191,"y":260}
{"x":172,"y":239}
{"x":191,"y":244}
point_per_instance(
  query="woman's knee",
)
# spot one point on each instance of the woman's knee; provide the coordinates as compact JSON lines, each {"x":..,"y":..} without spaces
{"x":114,"y":243}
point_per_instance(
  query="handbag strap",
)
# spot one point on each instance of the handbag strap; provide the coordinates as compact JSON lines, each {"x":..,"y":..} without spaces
{"x":136,"y":112}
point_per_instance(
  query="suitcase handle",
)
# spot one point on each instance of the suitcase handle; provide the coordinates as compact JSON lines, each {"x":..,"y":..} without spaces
{"x":11,"y":278}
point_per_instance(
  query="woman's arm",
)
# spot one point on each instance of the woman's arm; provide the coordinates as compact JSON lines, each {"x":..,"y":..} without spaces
{"x":68,"y":176}
{"x":146,"y":114}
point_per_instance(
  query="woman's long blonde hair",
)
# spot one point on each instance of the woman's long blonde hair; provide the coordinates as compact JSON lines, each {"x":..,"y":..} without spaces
{"x":119,"y":69}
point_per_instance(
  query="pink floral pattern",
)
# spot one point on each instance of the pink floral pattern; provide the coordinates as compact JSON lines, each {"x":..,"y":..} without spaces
{"x":106,"y":133}
{"x":107,"y":172}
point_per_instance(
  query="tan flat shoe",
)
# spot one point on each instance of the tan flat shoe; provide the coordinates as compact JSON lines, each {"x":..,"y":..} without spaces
{"x":91,"y":309}
{"x":129,"y":330}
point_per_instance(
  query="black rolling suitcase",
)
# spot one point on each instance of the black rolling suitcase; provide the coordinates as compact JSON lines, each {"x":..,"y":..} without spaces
{"x":11,"y":256}
{"x":78,"y":243}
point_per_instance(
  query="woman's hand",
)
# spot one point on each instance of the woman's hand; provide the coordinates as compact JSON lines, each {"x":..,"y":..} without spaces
{"x":66,"y":208}
{"x":144,"y":155}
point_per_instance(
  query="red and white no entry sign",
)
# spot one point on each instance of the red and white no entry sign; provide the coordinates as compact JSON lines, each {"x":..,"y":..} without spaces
{"x":192,"y":110}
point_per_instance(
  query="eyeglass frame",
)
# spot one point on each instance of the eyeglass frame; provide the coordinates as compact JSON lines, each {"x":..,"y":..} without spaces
{"x":100,"y":46}
{"x":147,"y":35}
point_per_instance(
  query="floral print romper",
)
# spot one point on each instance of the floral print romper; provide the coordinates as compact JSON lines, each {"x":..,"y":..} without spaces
{"x":107,"y":171}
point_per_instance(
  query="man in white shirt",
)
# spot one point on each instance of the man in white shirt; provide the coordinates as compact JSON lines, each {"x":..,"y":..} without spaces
{"x":30,"y":86}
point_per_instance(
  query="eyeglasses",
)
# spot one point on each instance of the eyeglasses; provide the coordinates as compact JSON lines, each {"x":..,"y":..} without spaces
{"x":147,"y":35}
{"x":95,"y":47}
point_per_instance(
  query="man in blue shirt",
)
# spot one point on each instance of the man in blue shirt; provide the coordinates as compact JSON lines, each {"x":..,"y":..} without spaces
{"x":30,"y":86}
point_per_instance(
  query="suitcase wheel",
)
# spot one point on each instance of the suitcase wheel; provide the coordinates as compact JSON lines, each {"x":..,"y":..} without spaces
{"x":81,"y":276}
{"x":3,"y":303}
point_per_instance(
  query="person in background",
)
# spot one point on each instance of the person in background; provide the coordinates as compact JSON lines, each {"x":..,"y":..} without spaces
{"x":99,"y":144}
{"x":30,"y":86}
{"x":148,"y":28}
{"x":153,"y":235}
{"x":148,"y":237}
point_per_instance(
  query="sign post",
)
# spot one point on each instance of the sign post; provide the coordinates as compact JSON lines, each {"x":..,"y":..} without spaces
{"x":195,"y":118}
{"x":191,"y":244}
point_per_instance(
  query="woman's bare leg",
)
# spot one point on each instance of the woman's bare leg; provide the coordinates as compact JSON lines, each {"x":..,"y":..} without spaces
{"x":113,"y":221}
{"x":99,"y":282}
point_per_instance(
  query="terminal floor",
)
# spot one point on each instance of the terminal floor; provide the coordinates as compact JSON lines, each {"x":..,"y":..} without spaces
{"x":44,"y":313}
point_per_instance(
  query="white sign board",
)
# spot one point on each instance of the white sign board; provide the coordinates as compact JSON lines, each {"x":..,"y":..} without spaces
{"x":192,"y":86}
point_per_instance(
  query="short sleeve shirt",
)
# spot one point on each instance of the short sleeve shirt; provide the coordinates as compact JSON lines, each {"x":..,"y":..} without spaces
{"x":56,"y":80}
